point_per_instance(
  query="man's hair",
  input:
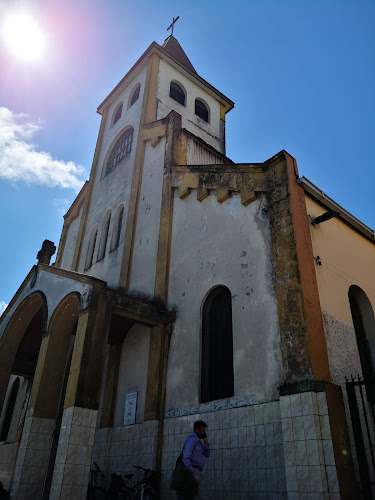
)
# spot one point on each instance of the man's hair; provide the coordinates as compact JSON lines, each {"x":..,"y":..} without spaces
{"x":199,"y":424}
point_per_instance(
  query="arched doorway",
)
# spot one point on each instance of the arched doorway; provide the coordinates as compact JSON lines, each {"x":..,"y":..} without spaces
{"x":364,"y":326}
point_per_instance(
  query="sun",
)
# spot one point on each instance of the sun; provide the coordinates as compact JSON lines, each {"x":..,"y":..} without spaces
{"x":23,"y":36}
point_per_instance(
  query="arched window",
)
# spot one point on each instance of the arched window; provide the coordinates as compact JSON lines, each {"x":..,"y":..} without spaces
{"x":217,"y":346}
{"x":117,"y":229}
{"x":177,"y":93}
{"x":104,"y":237}
{"x":201,"y":110}
{"x":364,"y":326}
{"x":120,"y":150}
{"x":91,"y":248}
{"x":117,"y":114}
{"x":134,"y":95}
{"x":10,"y":409}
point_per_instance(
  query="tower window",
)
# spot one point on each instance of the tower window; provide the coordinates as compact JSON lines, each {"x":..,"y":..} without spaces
{"x":120,"y":150}
{"x":201,"y":110}
{"x":104,"y":237}
{"x":177,"y":93}
{"x":118,"y":114}
{"x":135,"y":95}
{"x":117,"y":229}
{"x":217,"y":346}
{"x":91,"y":248}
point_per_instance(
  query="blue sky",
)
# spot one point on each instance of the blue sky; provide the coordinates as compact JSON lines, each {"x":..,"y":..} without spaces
{"x":301,"y":74}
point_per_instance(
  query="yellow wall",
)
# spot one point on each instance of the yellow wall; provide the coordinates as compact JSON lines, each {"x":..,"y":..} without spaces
{"x":348,"y":258}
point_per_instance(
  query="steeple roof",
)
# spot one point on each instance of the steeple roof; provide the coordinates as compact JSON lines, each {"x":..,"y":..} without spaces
{"x":172,"y":46}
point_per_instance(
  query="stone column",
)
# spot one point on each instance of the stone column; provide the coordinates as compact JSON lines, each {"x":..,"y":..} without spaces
{"x":74,"y":452}
{"x":156,"y":381}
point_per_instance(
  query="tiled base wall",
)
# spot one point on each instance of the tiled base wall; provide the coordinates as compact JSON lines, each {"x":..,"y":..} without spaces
{"x":247,"y":455}
{"x":309,"y":459}
{"x":32,"y":459}
{"x":74,"y":453}
{"x":118,"y":449}
{"x":8,"y":453}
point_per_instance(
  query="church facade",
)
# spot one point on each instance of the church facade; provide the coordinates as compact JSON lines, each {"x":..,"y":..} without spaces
{"x":189,"y":287}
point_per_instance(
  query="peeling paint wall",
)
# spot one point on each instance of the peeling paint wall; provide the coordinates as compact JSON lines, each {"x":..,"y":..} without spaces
{"x":132,"y":372}
{"x":223,"y":244}
{"x":209,"y":132}
{"x":114,"y":189}
{"x":148,"y":221}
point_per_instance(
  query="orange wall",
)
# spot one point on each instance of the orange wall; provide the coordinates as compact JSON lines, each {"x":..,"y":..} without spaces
{"x":348,"y":258}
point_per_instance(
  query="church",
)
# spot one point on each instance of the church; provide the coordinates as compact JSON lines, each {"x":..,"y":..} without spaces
{"x":188,"y":287}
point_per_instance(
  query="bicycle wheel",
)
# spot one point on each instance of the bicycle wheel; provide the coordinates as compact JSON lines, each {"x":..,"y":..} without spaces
{"x":96,"y":493}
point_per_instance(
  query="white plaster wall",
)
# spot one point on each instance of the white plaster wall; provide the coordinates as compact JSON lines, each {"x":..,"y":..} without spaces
{"x":209,"y":132}
{"x":148,"y":222}
{"x":70,"y":243}
{"x":133,"y":372}
{"x":114,"y":189}
{"x":55,"y":288}
{"x":223,"y":244}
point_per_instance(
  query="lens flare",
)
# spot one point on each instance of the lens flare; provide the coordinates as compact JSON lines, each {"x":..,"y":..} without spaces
{"x":23,"y":36}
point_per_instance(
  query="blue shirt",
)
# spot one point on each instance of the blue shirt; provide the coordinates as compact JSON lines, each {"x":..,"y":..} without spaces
{"x":194,"y":452}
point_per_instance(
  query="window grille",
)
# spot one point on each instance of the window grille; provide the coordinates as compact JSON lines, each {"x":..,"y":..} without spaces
{"x":201,"y":110}
{"x":177,"y":93}
{"x":117,"y":115}
{"x":135,"y":96}
{"x":120,"y":150}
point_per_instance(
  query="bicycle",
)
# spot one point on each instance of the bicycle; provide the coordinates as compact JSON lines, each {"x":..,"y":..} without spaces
{"x":145,"y":489}
{"x":95,"y":492}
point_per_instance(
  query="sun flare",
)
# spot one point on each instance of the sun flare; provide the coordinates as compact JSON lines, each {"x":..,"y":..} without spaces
{"x":23,"y":36}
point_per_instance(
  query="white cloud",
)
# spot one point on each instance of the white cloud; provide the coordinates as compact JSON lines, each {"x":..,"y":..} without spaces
{"x":61,"y":205}
{"x":20,"y":160}
{"x":3,"y":306}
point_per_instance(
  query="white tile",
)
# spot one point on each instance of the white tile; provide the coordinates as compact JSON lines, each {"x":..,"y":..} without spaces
{"x":291,"y":479}
{"x":259,"y":435}
{"x":259,"y":414}
{"x":295,"y":405}
{"x":250,"y":420}
{"x":287,"y":429}
{"x":309,"y":426}
{"x":301,"y":454}
{"x":303,"y":479}
{"x":285,"y":411}
{"x":268,"y":415}
{"x":298,"y":431}
{"x":325,"y":427}
{"x":322,"y":403}
{"x":312,"y":452}
{"x":307,"y":404}
{"x":329,"y":458}
{"x":316,"y":484}
{"x":289,"y":454}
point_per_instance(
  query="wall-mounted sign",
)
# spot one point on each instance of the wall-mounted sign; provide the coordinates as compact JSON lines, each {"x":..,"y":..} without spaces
{"x":130,"y":408}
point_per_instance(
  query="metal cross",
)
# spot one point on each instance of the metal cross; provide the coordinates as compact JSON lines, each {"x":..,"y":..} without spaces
{"x":172,"y":24}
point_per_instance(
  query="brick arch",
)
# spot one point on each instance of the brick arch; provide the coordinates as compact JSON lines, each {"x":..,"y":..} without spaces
{"x":24,"y":329}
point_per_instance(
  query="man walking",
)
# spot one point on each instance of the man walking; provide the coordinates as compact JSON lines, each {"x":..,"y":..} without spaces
{"x":194,"y":454}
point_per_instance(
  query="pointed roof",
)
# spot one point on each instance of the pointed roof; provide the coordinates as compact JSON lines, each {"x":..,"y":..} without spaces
{"x":172,"y":46}
{"x":173,"y":51}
